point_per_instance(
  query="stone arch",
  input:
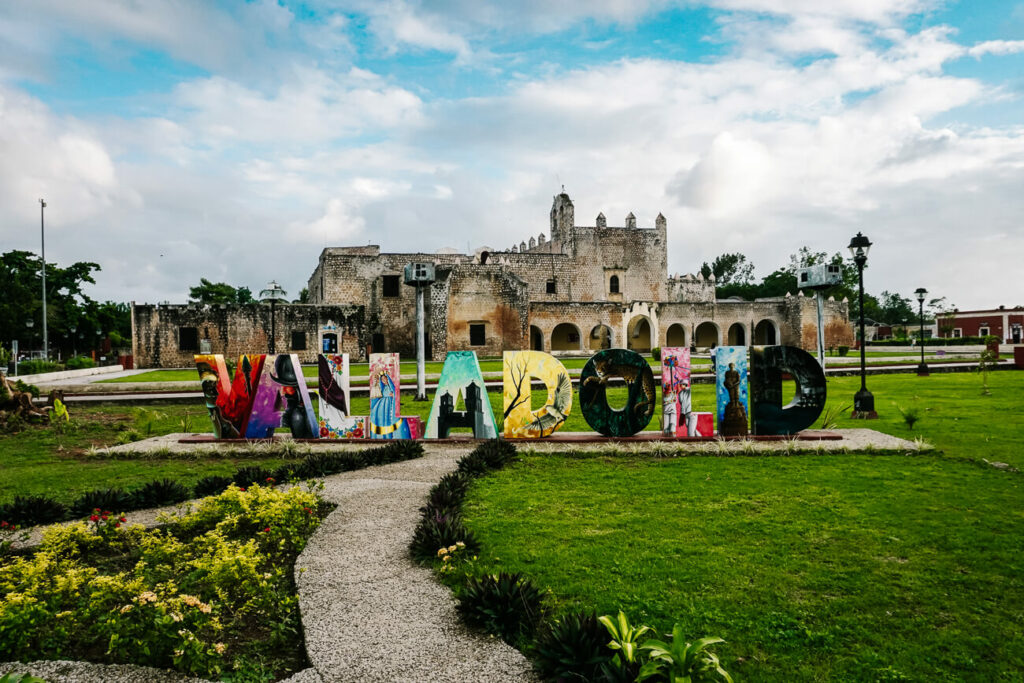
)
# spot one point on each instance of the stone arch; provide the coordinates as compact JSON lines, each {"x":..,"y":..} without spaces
{"x":766,"y":333}
{"x":639,"y":333}
{"x":676,"y":335}
{"x":706,"y":334}
{"x":566,"y":337}
{"x":737,"y":335}
{"x":600,"y":337}
{"x":536,"y":339}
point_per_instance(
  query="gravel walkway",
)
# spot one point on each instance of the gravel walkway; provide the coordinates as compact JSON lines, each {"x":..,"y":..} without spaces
{"x":369,"y":613}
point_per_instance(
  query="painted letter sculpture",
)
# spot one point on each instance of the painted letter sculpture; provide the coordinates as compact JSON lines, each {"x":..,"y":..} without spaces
{"x":519,"y":367}
{"x":386,"y":421}
{"x":769,"y":416}
{"x":461,"y":376}
{"x":642,"y":397}
{"x":269,"y":392}
{"x":336,"y":419}
{"x":731,"y":369}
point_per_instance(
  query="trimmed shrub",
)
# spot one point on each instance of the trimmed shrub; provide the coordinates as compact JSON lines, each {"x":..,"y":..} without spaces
{"x":32,"y":510}
{"x":158,"y":493}
{"x":80,"y":363}
{"x":38,"y":367}
{"x":574,"y":648}
{"x":116,"y":500}
{"x":211,"y":486}
{"x":507,"y":604}
{"x":656,"y":353}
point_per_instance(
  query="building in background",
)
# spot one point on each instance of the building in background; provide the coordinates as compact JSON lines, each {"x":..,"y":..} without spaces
{"x":578,"y":289}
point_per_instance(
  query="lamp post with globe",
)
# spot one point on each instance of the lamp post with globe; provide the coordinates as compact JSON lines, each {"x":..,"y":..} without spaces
{"x":863,"y":400}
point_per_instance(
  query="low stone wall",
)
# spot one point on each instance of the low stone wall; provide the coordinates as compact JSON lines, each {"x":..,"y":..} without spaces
{"x":51,"y":377}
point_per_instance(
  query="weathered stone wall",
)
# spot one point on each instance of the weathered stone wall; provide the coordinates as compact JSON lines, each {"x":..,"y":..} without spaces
{"x":555,"y":293}
{"x":491,"y":296}
{"x":237,"y":329}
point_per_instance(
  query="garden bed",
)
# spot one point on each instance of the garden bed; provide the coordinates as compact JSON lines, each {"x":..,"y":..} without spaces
{"x":211,"y":593}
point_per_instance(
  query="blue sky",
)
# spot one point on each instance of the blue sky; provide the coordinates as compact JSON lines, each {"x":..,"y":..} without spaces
{"x":179,"y":139}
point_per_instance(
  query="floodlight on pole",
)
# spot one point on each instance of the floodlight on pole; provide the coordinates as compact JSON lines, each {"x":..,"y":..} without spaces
{"x":272,"y":294}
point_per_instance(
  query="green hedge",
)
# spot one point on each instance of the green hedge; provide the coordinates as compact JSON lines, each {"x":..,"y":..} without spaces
{"x":933,"y":341}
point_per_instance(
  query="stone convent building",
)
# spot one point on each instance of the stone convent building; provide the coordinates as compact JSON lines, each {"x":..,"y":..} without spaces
{"x":579,"y":289}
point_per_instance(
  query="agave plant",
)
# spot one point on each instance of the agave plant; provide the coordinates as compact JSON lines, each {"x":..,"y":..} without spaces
{"x":679,"y":660}
{"x":506,"y":604}
{"x":572,"y":649}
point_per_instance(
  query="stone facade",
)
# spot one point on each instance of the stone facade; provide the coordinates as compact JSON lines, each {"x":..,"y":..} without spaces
{"x":582,"y":289}
{"x":579,"y":289}
{"x":167,"y":336}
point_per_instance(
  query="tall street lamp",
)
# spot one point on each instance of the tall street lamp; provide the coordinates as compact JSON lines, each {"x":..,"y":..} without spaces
{"x":42,"y":234}
{"x":74,"y":346}
{"x":922,"y":369}
{"x":863,"y":400}
{"x":272,"y":294}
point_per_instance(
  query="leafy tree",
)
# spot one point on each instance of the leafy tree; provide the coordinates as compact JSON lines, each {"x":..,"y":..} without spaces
{"x":303,"y":296}
{"x":219,"y":293}
{"x":893,"y":308}
{"x":67,"y":305}
{"x":730,"y":269}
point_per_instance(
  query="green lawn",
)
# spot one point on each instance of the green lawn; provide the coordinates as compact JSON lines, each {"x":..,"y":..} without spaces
{"x":44,"y":461}
{"x":359,"y":371}
{"x":813,"y":568}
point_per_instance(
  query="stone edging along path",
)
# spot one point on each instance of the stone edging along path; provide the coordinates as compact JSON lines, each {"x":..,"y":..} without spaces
{"x":369,"y":613}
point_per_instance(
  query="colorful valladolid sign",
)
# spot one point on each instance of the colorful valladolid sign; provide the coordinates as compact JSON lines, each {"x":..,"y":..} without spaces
{"x":268,"y":393}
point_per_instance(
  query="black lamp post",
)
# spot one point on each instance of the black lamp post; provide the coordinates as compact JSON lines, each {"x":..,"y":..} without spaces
{"x":863,"y":400}
{"x":922,"y":369}
{"x":273,"y":293}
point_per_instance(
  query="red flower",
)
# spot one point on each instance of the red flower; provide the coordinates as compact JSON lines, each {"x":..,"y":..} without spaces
{"x":270,"y":479}
{"x":267,"y":529}
{"x":241,"y":488}
{"x":308,"y":511}
{"x":104,"y":518}
{"x":3,"y":525}
{"x":323,"y":432}
{"x":117,"y":525}
{"x":123,"y":518}
{"x":94,"y":518}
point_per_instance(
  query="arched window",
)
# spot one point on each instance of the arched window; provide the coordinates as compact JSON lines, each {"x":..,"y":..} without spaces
{"x":613,"y":284}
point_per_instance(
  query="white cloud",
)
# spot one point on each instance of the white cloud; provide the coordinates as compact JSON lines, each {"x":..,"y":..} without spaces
{"x":997,"y":47}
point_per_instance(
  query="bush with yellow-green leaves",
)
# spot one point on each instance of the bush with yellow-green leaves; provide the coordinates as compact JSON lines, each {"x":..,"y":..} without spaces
{"x":211,"y":593}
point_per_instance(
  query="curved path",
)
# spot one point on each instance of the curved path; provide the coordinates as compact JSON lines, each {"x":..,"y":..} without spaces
{"x":369,"y":613}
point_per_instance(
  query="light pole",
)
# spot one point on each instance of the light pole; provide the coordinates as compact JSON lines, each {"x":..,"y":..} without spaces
{"x":31,"y":335}
{"x":922,"y":369}
{"x":74,"y":346}
{"x":42,"y":235}
{"x":272,"y":294}
{"x":863,"y":400}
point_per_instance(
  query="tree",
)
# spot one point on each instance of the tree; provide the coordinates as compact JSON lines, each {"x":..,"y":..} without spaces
{"x":303,"y":296}
{"x":219,"y":293}
{"x":67,"y":305}
{"x":893,"y":308}
{"x":730,"y":269}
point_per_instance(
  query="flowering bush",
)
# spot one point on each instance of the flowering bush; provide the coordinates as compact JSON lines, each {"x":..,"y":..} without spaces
{"x":207,"y":594}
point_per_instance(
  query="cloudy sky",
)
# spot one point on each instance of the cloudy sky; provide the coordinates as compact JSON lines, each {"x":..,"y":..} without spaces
{"x":179,"y":139}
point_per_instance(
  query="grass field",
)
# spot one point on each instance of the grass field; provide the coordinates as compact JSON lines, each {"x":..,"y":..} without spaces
{"x":44,"y":460}
{"x":360,"y":370}
{"x":813,"y":568}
